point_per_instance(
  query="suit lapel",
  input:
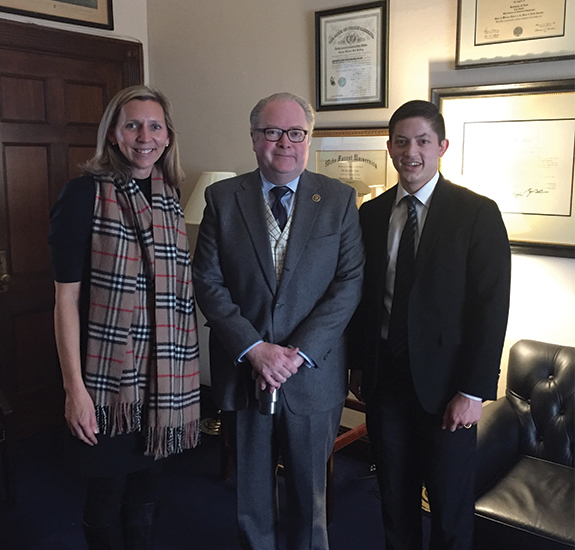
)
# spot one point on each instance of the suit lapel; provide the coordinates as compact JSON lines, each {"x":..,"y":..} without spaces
{"x":306,"y":209}
{"x":250,"y":201}
{"x":382,"y":231}
{"x":438,"y":211}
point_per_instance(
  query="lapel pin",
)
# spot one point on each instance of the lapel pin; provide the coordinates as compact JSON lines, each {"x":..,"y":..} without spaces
{"x":316,"y":197}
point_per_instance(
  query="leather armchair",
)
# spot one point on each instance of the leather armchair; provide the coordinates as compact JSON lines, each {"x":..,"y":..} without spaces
{"x":525,"y":476}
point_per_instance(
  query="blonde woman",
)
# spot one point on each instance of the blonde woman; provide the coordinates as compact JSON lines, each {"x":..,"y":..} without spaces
{"x":125,"y":317}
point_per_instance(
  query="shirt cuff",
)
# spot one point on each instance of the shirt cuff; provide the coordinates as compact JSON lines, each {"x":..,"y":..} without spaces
{"x":474,"y":397}
{"x":240,"y":358}
{"x":306,"y":360}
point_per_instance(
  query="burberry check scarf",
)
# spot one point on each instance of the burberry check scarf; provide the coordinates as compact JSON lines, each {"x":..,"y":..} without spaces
{"x":142,"y":367}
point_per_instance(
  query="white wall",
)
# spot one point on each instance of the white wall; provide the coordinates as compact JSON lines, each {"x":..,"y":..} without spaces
{"x":216,"y":59}
{"x":130,"y":23}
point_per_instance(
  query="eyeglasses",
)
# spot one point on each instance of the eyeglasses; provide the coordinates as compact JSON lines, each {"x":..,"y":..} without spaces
{"x":295,"y":135}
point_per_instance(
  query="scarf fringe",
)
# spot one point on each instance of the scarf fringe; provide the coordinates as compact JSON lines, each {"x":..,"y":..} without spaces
{"x":160,"y":441}
{"x":163,"y":441}
{"x":120,"y":418}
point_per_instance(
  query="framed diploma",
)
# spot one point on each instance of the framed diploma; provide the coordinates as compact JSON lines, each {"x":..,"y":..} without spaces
{"x":514,"y":143}
{"x":92,"y":13}
{"x":357,"y":157}
{"x":492,"y":32}
{"x":351,"y":57}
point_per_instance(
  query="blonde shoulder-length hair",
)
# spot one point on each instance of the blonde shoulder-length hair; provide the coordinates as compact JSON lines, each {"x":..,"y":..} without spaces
{"x":109,"y":160}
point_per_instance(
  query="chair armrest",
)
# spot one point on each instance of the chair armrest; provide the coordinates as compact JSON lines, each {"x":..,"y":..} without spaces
{"x":353,"y":403}
{"x":497,"y":443}
{"x":349,"y":437}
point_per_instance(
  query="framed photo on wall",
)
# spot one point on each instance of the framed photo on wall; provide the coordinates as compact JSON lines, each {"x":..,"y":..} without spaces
{"x":351,"y":57}
{"x":492,"y":32}
{"x":357,"y":157}
{"x":514,"y":143}
{"x":91,"y":13}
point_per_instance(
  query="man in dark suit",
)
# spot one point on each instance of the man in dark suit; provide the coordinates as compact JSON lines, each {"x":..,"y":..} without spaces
{"x":278,"y":278}
{"x":426,"y":341}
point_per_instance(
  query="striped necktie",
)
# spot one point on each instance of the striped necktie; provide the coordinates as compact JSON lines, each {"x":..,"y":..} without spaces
{"x":404,"y":275}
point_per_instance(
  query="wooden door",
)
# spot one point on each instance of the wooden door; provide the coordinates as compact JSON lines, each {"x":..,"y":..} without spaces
{"x":54,"y":86}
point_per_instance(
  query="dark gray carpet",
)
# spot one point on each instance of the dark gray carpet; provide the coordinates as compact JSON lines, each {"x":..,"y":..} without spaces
{"x":197,"y":506}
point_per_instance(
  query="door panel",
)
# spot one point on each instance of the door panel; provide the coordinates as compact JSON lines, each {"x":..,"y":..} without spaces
{"x":84,"y":103}
{"x":76,"y":157}
{"x":51,"y":102}
{"x":26,"y":169}
{"x":22,"y":99}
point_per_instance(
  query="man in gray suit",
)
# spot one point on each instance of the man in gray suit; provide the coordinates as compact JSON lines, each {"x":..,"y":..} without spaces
{"x":278,"y":273}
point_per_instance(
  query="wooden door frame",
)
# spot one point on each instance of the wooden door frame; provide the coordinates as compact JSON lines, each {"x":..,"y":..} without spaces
{"x":127,"y":56}
{"x":74,"y":45}
{"x":29,"y":38}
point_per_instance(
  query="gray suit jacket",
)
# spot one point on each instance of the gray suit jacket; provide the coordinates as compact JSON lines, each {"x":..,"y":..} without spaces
{"x":318,"y":292}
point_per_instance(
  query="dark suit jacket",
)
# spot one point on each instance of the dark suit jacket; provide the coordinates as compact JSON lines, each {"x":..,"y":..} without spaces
{"x":318,"y":292}
{"x":459,"y":301}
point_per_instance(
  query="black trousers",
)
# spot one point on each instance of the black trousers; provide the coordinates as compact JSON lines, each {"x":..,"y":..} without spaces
{"x":410,"y":448}
{"x":106,"y":495}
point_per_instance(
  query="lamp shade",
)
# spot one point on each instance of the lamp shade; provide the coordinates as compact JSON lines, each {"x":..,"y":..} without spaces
{"x":195,"y":207}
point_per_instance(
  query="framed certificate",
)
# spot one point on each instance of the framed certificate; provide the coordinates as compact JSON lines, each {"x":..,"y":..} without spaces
{"x":514,"y":143}
{"x":351,"y":57}
{"x":492,"y":32}
{"x":356,"y":156}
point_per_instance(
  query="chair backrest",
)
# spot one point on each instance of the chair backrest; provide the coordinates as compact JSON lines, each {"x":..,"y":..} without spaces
{"x":541,"y":388}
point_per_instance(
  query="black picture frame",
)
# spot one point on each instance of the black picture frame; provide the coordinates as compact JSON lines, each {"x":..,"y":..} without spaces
{"x":532,"y":102}
{"x":363,"y":34}
{"x":507,"y":50}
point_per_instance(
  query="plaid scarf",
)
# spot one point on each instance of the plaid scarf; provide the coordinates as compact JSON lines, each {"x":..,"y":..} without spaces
{"x":142,"y":356}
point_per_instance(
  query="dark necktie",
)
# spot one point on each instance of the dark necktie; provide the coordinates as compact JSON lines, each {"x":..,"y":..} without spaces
{"x":278,"y":209}
{"x":404,"y":274}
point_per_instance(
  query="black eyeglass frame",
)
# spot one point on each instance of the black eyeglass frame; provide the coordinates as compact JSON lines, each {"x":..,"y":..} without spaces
{"x":287,"y":132}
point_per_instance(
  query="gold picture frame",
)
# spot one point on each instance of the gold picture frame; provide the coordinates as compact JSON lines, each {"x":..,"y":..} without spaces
{"x":356,"y":156}
{"x":90,"y":13}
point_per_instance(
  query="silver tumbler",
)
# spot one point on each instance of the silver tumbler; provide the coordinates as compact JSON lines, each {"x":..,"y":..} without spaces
{"x":267,"y":402}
